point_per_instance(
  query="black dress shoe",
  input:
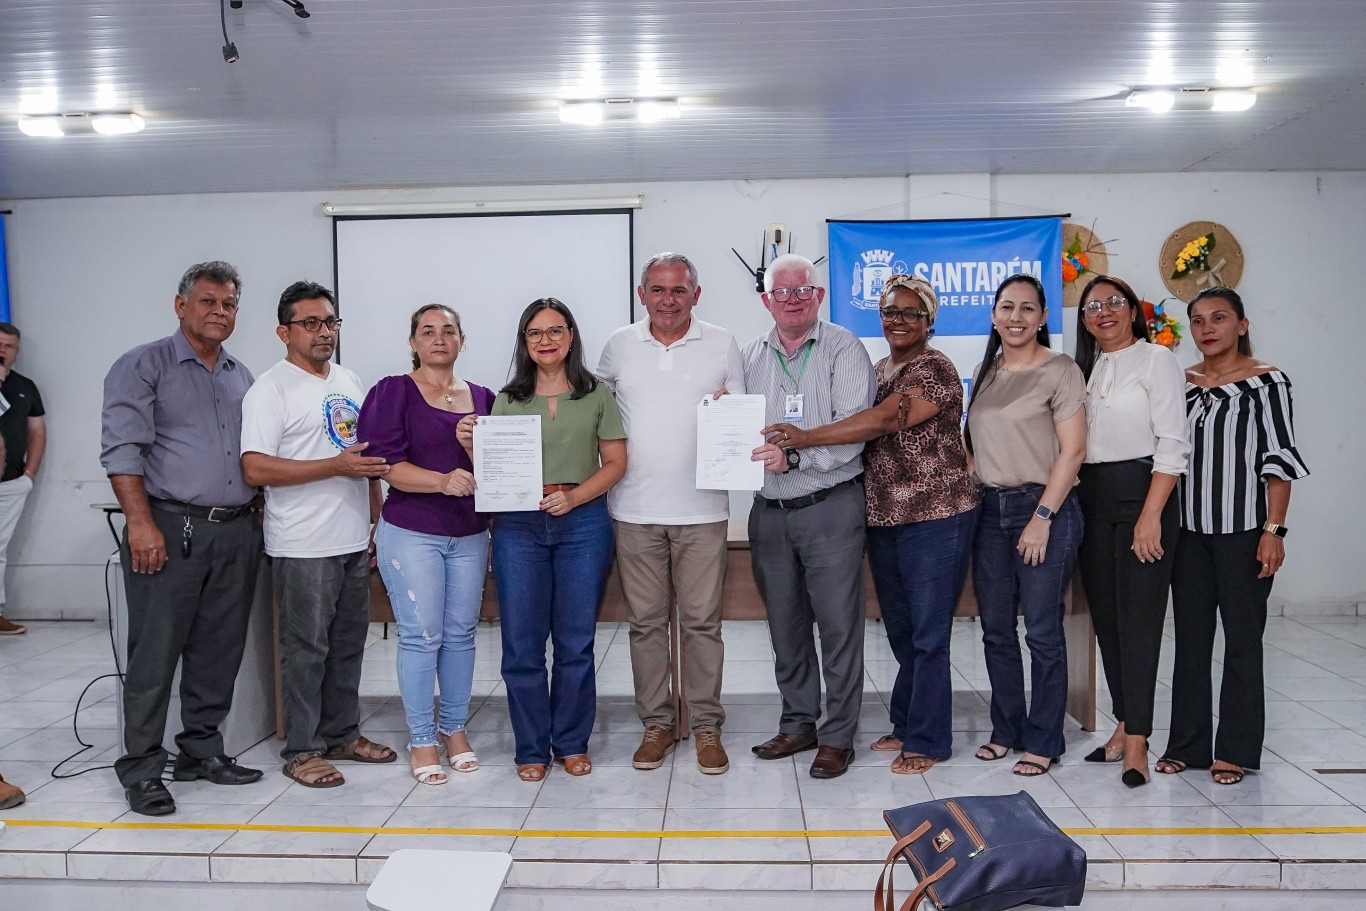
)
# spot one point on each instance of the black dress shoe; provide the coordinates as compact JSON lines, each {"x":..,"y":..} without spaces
{"x":831,"y":762}
{"x":217,"y":769}
{"x":1133,"y":778}
{"x":785,"y":745}
{"x":150,"y":798}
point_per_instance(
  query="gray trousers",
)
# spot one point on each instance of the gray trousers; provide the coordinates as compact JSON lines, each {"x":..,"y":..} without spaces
{"x":324,"y":618}
{"x":193,"y":612}
{"x":808,"y":566}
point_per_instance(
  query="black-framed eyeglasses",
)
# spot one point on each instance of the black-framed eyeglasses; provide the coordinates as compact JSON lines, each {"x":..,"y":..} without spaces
{"x":314,"y":323}
{"x":554,"y":333}
{"x":910,"y":317}
{"x":1115,"y":303}
{"x":783,"y":295}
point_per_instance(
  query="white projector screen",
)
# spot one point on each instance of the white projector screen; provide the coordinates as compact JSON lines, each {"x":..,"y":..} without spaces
{"x":488,"y":267}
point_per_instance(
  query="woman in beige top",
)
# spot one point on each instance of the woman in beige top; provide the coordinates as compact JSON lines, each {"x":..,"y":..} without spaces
{"x":1026,"y":432}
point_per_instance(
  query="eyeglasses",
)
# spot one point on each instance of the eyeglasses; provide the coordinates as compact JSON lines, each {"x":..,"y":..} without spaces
{"x":910,"y":317}
{"x":313,"y":323}
{"x":554,"y":333}
{"x":1115,"y":303}
{"x":783,"y":295}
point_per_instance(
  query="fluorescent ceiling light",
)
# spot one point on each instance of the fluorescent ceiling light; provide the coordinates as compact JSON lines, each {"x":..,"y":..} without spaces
{"x":117,"y":124}
{"x":484,"y":205}
{"x":1158,"y":102}
{"x":1232,"y":101}
{"x":581,"y":112}
{"x":41,"y":126}
{"x":655,"y":111}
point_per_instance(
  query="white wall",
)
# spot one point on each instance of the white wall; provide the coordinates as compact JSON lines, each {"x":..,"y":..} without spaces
{"x":90,"y":278}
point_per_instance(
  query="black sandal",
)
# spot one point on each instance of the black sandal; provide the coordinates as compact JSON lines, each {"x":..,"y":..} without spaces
{"x":1237,"y":775}
{"x":1043,"y":769}
{"x":1174,"y":766}
{"x":986,"y":747}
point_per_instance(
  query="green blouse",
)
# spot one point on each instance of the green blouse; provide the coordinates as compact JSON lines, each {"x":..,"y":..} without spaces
{"x":569,"y":443}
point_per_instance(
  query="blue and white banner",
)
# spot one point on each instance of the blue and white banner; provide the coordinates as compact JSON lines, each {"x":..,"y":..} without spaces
{"x":4,"y":277}
{"x":963,"y":259}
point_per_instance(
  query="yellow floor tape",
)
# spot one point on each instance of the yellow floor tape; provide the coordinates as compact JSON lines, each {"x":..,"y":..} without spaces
{"x":628,"y":833}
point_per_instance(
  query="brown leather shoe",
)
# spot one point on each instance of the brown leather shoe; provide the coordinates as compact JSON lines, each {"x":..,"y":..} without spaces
{"x":785,"y":745}
{"x":711,"y":756}
{"x":10,"y":796}
{"x":831,"y":762}
{"x":10,"y":628}
{"x":655,"y":746}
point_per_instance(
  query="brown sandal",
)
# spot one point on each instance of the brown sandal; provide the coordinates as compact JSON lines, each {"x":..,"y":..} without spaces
{"x":578,"y":766}
{"x":912,"y":764}
{"x":313,"y":771}
{"x":531,"y":771}
{"x":887,"y":743}
{"x":362,"y":750}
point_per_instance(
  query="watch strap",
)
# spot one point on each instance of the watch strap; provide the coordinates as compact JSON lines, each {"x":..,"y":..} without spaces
{"x":1277,"y":530}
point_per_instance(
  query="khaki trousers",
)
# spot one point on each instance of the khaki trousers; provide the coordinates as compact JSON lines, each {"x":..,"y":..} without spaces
{"x":659,"y":565}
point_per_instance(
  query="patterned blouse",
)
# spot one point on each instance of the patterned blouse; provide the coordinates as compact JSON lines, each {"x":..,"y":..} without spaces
{"x":920,"y":473}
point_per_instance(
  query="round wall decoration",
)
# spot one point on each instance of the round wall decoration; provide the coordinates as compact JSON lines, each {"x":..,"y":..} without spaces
{"x":1083,"y":258}
{"x":1199,"y":255}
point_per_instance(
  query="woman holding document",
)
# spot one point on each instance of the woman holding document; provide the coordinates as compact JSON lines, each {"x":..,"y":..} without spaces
{"x":551,"y":563}
{"x":922,"y":512}
{"x":432,"y":547}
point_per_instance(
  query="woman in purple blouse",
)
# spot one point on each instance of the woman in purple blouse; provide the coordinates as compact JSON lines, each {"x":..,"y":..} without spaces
{"x":431,"y":544}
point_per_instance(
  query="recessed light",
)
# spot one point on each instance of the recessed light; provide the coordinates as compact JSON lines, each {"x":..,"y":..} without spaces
{"x":581,"y":112}
{"x":117,"y":124}
{"x":1156,"y":101}
{"x":1232,"y":100}
{"x":42,"y":126}
{"x":655,"y":111}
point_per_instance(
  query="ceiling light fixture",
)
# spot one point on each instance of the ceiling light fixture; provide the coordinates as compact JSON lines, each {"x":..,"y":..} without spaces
{"x":1226,"y":101}
{"x":117,"y":124}
{"x":655,"y":111}
{"x":645,"y":110}
{"x":49,"y":126}
{"x":581,"y":112}
{"x":1159,"y":102}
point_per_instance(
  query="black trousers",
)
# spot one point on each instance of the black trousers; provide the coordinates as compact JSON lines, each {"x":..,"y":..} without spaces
{"x":1215,"y":577}
{"x":194,"y":613}
{"x":1128,"y":597}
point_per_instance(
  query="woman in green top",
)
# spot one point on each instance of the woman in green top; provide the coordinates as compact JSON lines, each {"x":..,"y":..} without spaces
{"x":551,"y":565}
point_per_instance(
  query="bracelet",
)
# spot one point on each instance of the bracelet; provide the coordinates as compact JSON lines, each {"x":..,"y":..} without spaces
{"x":1272,"y":528}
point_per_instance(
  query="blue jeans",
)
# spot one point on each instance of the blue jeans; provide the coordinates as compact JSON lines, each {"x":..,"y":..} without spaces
{"x":435,"y":585}
{"x":1006,"y":585}
{"x":551,"y":571}
{"x":918,"y":569}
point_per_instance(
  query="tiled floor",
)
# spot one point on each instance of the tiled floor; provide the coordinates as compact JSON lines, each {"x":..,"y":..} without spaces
{"x":675,"y":828}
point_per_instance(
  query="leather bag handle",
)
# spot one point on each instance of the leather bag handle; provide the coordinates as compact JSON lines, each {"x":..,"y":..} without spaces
{"x":886,"y":900}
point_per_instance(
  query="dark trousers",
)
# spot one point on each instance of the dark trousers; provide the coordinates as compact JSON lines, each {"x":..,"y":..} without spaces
{"x":551,"y":572}
{"x":1128,"y":597}
{"x":194,"y":613}
{"x":919,"y":569}
{"x":1215,"y":577}
{"x":808,"y":567}
{"x":1006,"y":585}
{"x":324,"y":617}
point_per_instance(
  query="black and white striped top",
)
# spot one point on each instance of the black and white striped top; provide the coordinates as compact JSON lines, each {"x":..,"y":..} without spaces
{"x":1241,"y":434}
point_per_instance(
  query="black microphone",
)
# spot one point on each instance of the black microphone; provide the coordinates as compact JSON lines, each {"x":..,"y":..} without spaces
{"x":298,"y":8}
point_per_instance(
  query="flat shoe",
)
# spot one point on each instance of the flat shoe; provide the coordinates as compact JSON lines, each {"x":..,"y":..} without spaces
{"x":531,"y":771}
{"x":430,"y":774}
{"x":782,"y":745}
{"x":831,"y":762}
{"x":312,"y":771}
{"x":887,"y":743}
{"x":987,"y":748}
{"x":150,"y":798}
{"x":902,"y":764}
{"x":465,"y":762}
{"x":578,"y":766}
{"x":361,"y":750}
{"x":1029,"y":763}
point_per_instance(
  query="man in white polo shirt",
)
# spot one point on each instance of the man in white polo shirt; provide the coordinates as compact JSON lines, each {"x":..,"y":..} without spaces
{"x":299,"y":442}
{"x":671,"y":537}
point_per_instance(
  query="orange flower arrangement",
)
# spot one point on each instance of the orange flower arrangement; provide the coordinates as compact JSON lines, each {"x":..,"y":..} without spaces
{"x":1163,"y":328}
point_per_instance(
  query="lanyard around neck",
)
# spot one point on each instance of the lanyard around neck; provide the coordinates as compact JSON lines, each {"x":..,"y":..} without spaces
{"x":801,"y":371}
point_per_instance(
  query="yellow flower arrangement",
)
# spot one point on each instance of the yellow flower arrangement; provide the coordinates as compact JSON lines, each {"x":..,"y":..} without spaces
{"x":1194,"y":256}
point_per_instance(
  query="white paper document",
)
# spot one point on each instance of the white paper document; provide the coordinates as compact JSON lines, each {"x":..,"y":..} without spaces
{"x":507,"y":463}
{"x":727,"y":435}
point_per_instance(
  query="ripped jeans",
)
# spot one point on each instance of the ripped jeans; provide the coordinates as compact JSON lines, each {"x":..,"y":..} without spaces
{"x":435,"y":586}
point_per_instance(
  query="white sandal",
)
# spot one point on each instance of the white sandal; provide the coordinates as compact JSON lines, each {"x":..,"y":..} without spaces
{"x":465,"y":762}
{"x":430,"y":774}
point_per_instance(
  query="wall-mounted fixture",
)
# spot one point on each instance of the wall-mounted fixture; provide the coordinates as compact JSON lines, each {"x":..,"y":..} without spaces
{"x":1192,"y":97}
{"x":645,"y":110}
{"x":107,"y":123}
{"x":477,"y":206}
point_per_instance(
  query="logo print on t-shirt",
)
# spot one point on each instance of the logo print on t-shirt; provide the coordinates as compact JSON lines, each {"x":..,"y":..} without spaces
{"x":340,"y":415}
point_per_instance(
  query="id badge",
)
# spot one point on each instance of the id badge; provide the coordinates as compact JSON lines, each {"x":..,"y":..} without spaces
{"x":794,"y":409}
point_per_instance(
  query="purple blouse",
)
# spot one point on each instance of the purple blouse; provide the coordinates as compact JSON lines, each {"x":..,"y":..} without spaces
{"x":400,"y":426}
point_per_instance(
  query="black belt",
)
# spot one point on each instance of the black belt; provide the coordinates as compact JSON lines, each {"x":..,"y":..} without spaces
{"x":210,"y":513}
{"x":810,"y":499}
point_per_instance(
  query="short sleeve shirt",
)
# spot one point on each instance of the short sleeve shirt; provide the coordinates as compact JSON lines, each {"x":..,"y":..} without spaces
{"x":1013,"y":420}
{"x":24,"y":403}
{"x":569,"y":443}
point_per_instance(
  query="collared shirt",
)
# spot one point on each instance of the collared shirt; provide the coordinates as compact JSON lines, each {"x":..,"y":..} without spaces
{"x":1135,"y":408}
{"x":22,"y":402}
{"x":658,"y":387}
{"x":177,"y":423}
{"x":836,"y":381}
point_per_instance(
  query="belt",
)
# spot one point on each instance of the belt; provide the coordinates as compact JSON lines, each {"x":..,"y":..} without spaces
{"x":210,"y":513}
{"x":809,"y":500}
{"x":548,"y":489}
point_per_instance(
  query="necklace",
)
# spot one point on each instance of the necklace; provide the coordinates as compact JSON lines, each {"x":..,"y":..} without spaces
{"x":446,"y":393}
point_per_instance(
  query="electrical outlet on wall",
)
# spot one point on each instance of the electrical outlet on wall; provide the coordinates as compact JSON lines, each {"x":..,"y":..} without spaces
{"x":776,"y":235}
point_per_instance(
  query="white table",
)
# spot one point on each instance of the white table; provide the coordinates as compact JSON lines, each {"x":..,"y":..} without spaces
{"x":415,"y":879}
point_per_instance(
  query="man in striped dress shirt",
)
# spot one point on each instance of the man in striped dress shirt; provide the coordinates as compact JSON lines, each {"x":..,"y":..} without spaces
{"x":806,"y":526}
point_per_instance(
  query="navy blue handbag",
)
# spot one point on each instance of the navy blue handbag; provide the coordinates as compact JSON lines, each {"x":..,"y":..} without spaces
{"x":982,"y":854}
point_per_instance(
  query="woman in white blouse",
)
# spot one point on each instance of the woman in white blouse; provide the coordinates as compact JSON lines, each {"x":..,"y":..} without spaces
{"x":1136,"y":449}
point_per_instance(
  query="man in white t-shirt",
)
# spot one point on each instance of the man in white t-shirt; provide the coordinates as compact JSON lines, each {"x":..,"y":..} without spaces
{"x":671,"y":537}
{"x":299,"y":442}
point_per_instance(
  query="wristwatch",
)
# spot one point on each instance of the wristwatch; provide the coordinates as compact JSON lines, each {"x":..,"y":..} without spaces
{"x":1043,"y":512}
{"x":794,"y":459}
{"x":1277,"y":530}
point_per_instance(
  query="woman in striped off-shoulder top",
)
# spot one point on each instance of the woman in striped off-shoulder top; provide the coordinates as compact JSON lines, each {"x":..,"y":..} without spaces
{"x":1233,"y":504}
